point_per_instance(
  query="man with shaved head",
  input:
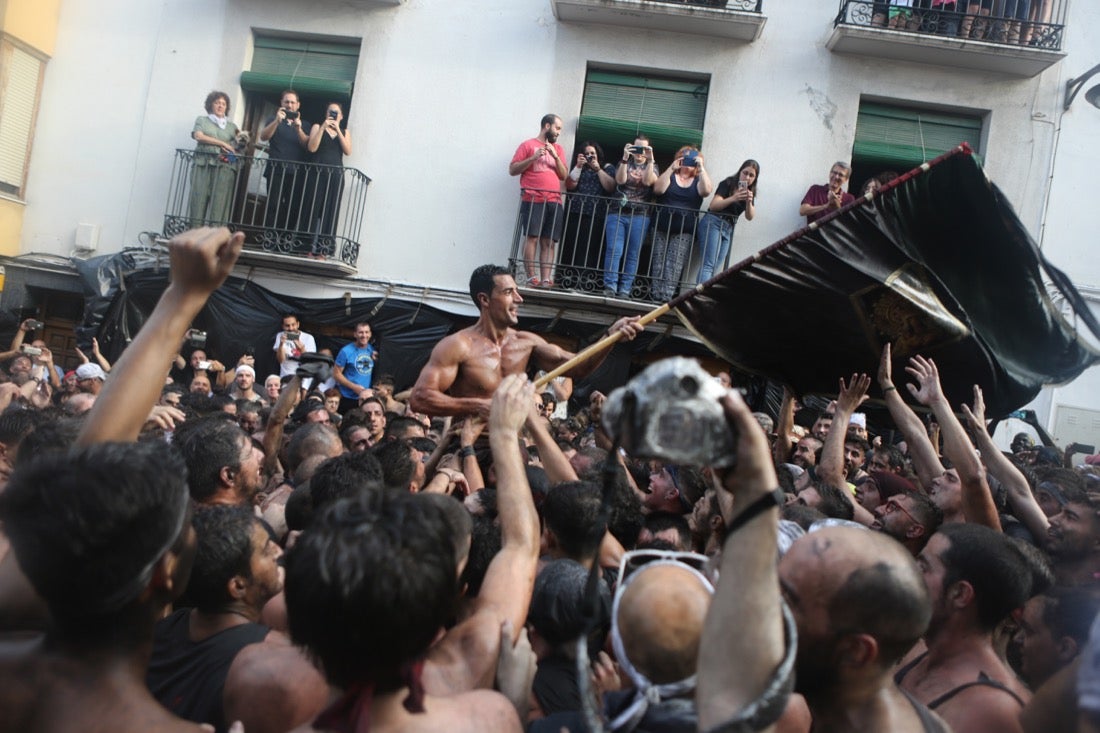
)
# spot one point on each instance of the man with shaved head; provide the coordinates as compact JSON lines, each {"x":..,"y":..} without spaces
{"x":856,"y":597}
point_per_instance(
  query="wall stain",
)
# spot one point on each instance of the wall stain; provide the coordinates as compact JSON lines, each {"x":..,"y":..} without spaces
{"x":822,"y":106}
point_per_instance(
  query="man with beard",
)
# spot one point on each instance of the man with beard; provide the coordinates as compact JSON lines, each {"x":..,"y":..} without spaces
{"x":540,"y":165}
{"x":1073,"y":539}
{"x":910,"y":518}
{"x":856,"y":596}
{"x":212,"y":662}
{"x":975,"y":578}
{"x":470,"y":364}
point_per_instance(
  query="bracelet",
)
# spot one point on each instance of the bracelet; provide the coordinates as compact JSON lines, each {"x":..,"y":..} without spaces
{"x":466,"y":451}
{"x":771,"y":500}
{"x":887,"y":389}
{"x":624,"y":162}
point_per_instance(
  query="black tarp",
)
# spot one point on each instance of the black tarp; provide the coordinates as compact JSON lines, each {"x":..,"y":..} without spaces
{"x":938,"y":264}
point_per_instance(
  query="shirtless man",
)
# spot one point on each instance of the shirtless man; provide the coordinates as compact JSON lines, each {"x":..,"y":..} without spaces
{"x":466,"y":367}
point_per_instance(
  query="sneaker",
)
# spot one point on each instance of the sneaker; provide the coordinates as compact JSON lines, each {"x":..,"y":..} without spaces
{"x":609,"y":293}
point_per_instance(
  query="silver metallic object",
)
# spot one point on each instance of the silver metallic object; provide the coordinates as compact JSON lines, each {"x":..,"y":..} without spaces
{"x":671,"y":411}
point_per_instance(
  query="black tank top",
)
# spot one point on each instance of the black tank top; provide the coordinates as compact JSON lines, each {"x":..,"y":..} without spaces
{"x":188,"y":677}
{"x":983,"y":680}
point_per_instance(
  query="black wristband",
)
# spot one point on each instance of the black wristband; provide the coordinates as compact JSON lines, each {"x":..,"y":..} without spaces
{"x":771,"y":500}
{"x":466,"y":451}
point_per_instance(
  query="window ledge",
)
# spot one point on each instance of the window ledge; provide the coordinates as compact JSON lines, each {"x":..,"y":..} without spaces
{"x":962,"y":54}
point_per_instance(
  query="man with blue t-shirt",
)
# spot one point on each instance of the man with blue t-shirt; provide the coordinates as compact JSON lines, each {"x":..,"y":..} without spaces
{"x":354,"y":367}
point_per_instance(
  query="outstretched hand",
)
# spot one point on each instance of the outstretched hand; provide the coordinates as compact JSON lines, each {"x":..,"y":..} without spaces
{"x":885,"y":369}
{"x":853,"y":394}
{"x":927,"y":390}
{"x":976,"y":415}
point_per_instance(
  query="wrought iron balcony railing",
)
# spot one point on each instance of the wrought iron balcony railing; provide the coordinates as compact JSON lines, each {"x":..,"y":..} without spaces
{"x":299,"y":209}
{"x":609,"y":247}
{"x":1026,"y":23}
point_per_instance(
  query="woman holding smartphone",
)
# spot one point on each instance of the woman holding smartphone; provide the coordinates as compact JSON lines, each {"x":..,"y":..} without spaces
{"x":328,"y":144}
{"x":735,"y":195}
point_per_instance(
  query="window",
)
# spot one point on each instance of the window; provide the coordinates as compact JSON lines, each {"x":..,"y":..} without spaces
{"x":310,"y":67}
{"x":895,"y":138}
{"x":618,"y":105}
{"x":20,"y":86}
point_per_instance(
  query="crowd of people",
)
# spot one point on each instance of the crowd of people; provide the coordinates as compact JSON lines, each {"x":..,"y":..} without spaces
{"x":303,"y":170}
{"x":179,"y":547}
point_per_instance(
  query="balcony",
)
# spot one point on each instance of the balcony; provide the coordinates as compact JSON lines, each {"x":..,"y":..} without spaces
{"x":1013,"y":37}
{"x":737,"y":20}
{"x":583,"y":224}
{"x":301,"y":217}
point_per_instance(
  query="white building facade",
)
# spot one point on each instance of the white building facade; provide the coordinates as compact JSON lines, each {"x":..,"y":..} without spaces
{"x":443,"y":92}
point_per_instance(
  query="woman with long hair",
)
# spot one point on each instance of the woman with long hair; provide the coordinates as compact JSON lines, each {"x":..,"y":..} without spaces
{"x":736,"y":195}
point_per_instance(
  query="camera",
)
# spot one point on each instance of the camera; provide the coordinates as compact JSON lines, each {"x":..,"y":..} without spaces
{"x":332,"y":114}
{"x":30,"y":350}
{"x":671,"y":411}
{"x":196,"y":338}
{"x":291,"y":115}
{"x":292,"y":335}
{"x":637,"y":149}
{"x":35,"y":325}
{"x":590,"y":156}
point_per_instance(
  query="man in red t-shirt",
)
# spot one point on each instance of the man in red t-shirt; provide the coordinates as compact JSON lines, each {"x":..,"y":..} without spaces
{"x":822,"y":200}
{"x":539,"y":163}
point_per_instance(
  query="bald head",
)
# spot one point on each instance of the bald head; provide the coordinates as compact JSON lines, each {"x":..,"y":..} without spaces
{"x":660,"y":621}
{"x":857,"y":581}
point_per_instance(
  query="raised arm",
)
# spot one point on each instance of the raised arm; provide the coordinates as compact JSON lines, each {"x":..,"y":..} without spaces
{"x":831,"y":468}
{"x":926,"y":460}
{"x":466,"y":657}
{"x":735,"y":668}
{"x":200,"y":261}
{"x":276,"y":422}
{"x":1020,"y":498}
{"x":977,"y":500}
{"x":781,"y":450}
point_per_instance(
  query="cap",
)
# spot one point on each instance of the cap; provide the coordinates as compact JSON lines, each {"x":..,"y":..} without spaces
{"x":90,"y":371}
{"x":860,"y":419}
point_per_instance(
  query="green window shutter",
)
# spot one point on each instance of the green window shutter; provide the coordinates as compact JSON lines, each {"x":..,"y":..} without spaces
{"x":310,"y":67}
{"x":618,"y":106}
{"x":900,"y":138}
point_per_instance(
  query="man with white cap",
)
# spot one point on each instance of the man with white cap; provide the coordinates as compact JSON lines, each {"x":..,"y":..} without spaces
{"x":90,"y":377}
{"x":244,"y":382}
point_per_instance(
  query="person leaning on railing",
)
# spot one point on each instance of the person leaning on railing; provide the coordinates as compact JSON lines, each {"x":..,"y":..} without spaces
{"x":587,"y":181}
{"x":215,"y":164}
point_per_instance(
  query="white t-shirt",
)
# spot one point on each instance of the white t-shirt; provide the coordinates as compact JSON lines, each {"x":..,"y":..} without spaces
{"x":290,"y":363}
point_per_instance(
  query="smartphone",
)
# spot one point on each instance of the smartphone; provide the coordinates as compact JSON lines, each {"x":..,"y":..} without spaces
{"x":203,"y":365}
{"x":742,"y":184}
{"x":637,"y":149}
{"x":332,"y":114}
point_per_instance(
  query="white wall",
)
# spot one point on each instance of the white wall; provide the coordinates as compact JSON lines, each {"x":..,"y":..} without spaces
{"x":446,"y":91}
{"x":444,"y":94}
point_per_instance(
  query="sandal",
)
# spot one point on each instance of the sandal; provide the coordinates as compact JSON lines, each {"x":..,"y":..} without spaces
{"x":533,"y":282}
{"x":547,"y":284}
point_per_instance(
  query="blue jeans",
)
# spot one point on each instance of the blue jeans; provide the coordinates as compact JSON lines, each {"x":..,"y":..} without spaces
{"x":623,"y":231}
{"x":716,"y":233}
